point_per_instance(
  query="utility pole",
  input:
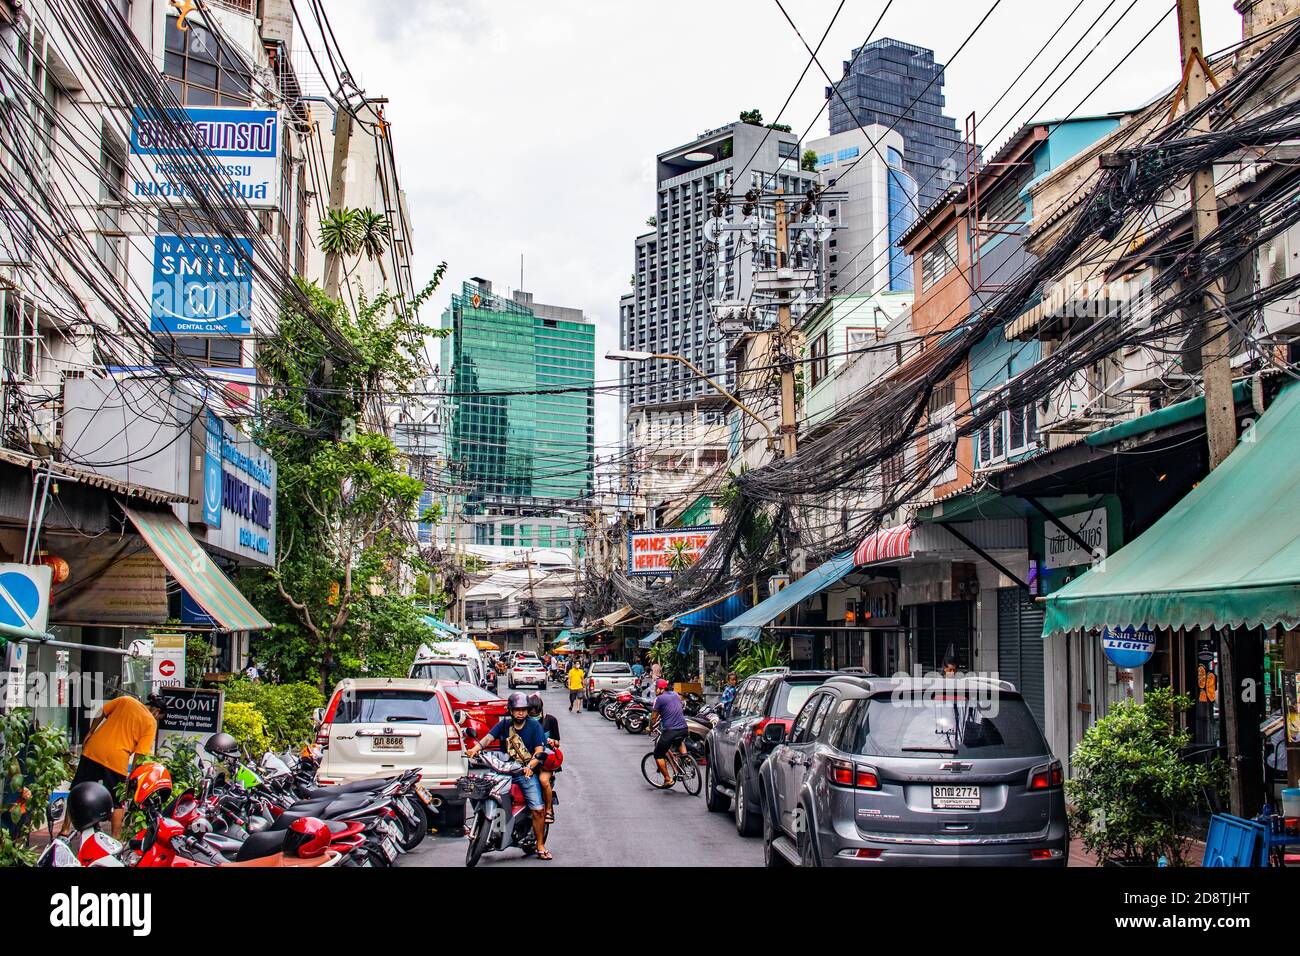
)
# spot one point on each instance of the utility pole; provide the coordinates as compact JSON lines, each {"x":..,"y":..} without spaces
{"x":1220,"y":411}
{"x":1216,"y":368}
{"x":785,"y":342}
{"x":338,"y":190}
{"x":532,"y":599}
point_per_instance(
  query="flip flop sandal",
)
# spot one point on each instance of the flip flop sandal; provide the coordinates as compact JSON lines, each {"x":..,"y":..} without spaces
{"x":550,"y":817}
{"x":544,"y":855}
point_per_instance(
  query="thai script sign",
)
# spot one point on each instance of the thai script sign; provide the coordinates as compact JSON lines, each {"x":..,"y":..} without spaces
{"x":232,"y":152}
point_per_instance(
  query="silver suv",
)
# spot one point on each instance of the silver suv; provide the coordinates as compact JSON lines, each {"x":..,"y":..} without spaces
{"x":912,"y":771}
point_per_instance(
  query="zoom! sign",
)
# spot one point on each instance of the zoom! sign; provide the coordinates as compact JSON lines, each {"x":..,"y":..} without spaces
{"x":223,"y":152}
{"x":202,"y":285}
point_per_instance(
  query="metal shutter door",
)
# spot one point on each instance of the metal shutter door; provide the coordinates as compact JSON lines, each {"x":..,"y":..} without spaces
{"x":1020,"y":647}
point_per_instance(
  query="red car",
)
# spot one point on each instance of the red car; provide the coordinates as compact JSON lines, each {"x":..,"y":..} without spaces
{"x":483,"y":707}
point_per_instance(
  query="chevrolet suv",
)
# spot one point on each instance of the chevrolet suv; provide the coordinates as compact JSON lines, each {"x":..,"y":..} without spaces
{"x":949,"y":772}
{"x":735,"y":749}
{"x":378,"y":727}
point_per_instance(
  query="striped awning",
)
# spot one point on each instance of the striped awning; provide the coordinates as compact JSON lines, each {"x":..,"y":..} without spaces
{"x":887,"y":544}
{"x":195,"y":571}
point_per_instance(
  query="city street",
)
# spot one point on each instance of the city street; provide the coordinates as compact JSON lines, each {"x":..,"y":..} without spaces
{"x":608,"y":815}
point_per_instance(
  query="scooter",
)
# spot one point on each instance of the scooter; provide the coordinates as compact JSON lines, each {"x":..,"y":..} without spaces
{"x":496,"y":813}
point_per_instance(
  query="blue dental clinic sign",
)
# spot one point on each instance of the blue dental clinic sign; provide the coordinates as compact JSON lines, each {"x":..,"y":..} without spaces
{"x":202,"y":285}
{"x":1128,"y":646}
{"x":238,"y":492}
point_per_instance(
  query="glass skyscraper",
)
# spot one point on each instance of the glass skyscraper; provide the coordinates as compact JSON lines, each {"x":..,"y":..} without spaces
{"x":879,"y":86}
{"x":522,"y":409}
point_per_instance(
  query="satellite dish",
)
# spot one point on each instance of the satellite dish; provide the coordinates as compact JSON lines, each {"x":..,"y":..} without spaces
{"x":819,"y":228}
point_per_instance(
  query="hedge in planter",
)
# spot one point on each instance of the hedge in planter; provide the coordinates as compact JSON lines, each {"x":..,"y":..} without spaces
{"x":1132,"y":791}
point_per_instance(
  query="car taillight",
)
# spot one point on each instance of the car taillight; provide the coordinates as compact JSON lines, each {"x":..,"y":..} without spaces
{"x":1046,"y":777}
{"x":1045,"y":854}
{"x":591,"y":684}
{"x":323,"y":735}
{"x":844,"y":774}
{"x":453,"y":732}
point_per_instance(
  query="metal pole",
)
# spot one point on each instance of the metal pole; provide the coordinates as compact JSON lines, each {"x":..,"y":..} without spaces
{"x":784,"y":337}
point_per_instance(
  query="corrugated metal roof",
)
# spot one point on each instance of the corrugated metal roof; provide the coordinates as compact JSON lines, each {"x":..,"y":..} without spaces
{"x":92,"y":479}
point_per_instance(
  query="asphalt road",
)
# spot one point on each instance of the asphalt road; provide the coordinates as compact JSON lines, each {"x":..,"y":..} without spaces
{"x":608,"y":815}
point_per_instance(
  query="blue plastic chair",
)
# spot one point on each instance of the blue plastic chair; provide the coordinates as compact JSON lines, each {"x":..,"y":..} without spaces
{"x":1233,"y":841}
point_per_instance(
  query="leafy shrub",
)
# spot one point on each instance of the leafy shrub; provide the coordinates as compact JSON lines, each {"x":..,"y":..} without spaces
{"x":33,"y":761}
{"x":1133,"y":791}
{"x":245,"y":723}
{"x":756,"y":656}
{"x":286,"y":709}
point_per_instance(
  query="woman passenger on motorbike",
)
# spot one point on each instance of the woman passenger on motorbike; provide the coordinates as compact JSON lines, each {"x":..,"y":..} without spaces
{"x":537,"y":710}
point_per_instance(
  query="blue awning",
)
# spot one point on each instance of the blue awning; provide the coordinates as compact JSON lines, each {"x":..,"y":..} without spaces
{"x":705,"y":624}
{"x":750,"y":624}
{"x":648,"y":640}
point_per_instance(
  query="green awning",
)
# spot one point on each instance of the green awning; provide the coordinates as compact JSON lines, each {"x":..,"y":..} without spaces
{"x":1226,"y":556}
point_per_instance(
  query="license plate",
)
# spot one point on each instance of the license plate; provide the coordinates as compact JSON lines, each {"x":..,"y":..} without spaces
{"x":423,"y":794}
{"x":955,"y":798}
{"x":389,"y":743}
{"x":405,"y":810}
{"x":390,"y":850}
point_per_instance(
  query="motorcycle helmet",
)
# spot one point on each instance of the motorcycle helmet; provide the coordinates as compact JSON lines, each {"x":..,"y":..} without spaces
{"x":534,"y":704}
{"x":222,"y":745}
{"x":89,"y":803}
{"x":661,"y":685}
{"x":148,"y":780}
{"x":517,"y":701}
{"x":307,"y":837}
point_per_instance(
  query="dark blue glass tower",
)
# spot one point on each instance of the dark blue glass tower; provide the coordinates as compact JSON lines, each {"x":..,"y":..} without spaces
{"x":879,"y":85}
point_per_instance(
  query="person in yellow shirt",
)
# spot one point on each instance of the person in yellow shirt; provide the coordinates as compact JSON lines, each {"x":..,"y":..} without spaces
{"x":576,"y":674}
{"x":125,"y":729}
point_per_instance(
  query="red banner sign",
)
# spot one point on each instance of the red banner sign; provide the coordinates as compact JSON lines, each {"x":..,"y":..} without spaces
{"x":666,"y":552}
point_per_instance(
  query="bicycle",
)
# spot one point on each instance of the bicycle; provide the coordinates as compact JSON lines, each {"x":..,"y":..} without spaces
{"x":682,"y":768}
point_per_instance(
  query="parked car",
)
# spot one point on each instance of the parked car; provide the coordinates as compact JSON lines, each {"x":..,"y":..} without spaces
{"x":901,"y":771}
{"x":460,"y":650}
{"x":378,"y":727}
{"x":527,"y":670}
{"x":483,"y":709}
{"x":735,"y":749}
{"x":614,"y":676}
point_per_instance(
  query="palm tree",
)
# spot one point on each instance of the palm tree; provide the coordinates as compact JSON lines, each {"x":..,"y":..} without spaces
{"x":373,"y":231}
{"x":340,"y":232}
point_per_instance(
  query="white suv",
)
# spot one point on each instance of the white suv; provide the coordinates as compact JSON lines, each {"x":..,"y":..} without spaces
{"x":528,"y":670}
{"x":378,"y":727}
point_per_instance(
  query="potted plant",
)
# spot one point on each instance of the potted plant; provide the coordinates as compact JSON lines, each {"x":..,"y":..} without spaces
{"x":1133,"y":792}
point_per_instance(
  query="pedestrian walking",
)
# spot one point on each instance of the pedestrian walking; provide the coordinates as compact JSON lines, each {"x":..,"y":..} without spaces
{"x":576,"y":676}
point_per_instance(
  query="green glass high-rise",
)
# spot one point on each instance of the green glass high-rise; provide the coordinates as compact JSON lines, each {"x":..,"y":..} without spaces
{"x":522,"y":405}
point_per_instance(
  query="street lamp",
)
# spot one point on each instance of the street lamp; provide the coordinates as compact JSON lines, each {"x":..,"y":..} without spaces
{"x":622,"y":355}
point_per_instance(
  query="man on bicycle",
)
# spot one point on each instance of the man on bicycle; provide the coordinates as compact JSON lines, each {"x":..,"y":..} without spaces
{"x":525,"y":741}
{"x":667,"y":715}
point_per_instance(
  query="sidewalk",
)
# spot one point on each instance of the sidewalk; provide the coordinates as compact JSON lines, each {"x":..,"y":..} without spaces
{"x":1081,"y":857}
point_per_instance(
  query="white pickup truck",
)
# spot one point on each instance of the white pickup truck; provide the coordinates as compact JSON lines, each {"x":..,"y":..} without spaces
{"x":607,"y":675}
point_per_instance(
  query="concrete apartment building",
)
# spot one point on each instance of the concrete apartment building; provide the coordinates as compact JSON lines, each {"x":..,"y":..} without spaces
{"x":674,"y":422}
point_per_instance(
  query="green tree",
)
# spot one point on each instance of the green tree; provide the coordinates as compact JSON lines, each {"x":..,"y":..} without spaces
{"x":1133,"y":791}
{"x":33,"y":761}
{"x":346,"y":503}
{"x":752,"y":117}
{"x":809,"y":160}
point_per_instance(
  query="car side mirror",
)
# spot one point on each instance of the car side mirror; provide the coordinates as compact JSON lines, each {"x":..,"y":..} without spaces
{"x":774,"y":733}
{"x":470,"y":733}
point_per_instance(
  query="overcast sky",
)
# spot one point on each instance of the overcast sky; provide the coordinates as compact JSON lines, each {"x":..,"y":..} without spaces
{"x":531,"y":128}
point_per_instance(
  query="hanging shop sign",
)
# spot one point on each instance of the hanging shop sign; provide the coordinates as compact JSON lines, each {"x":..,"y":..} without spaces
{"x":168,"y":660}
{"x":1128,"y":646}
{"x":1060,"y":550}
{"x":202,"y":285}
{"x":191,"y":710}
{"x":238,"y":493}
{"x":666,"y":552}
{"x":25,"y":599}
{"x":228,"y":152}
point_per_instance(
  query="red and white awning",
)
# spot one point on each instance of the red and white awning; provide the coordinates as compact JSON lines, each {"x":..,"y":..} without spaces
{"x":884,"y":545}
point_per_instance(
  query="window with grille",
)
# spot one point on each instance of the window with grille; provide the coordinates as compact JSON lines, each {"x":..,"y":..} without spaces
{"x":938,"y":260}
{"x":110,"y":239}
{"x":203,"y":71}
{"x":19,"y":339}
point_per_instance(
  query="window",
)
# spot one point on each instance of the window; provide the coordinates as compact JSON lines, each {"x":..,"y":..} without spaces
{"x":938,"y":260}
{"x":1010,"y":432}
{"x":820,"y":365}
{"x":388,"y":707}
{"x":20,"y":341}
{"x":801,"y":731}
{"x":42,"y":107}
{"x":224,"y":352}
{"x":201,"y":70}
{"x":819,"y":719}
{"x":110,"y":240}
